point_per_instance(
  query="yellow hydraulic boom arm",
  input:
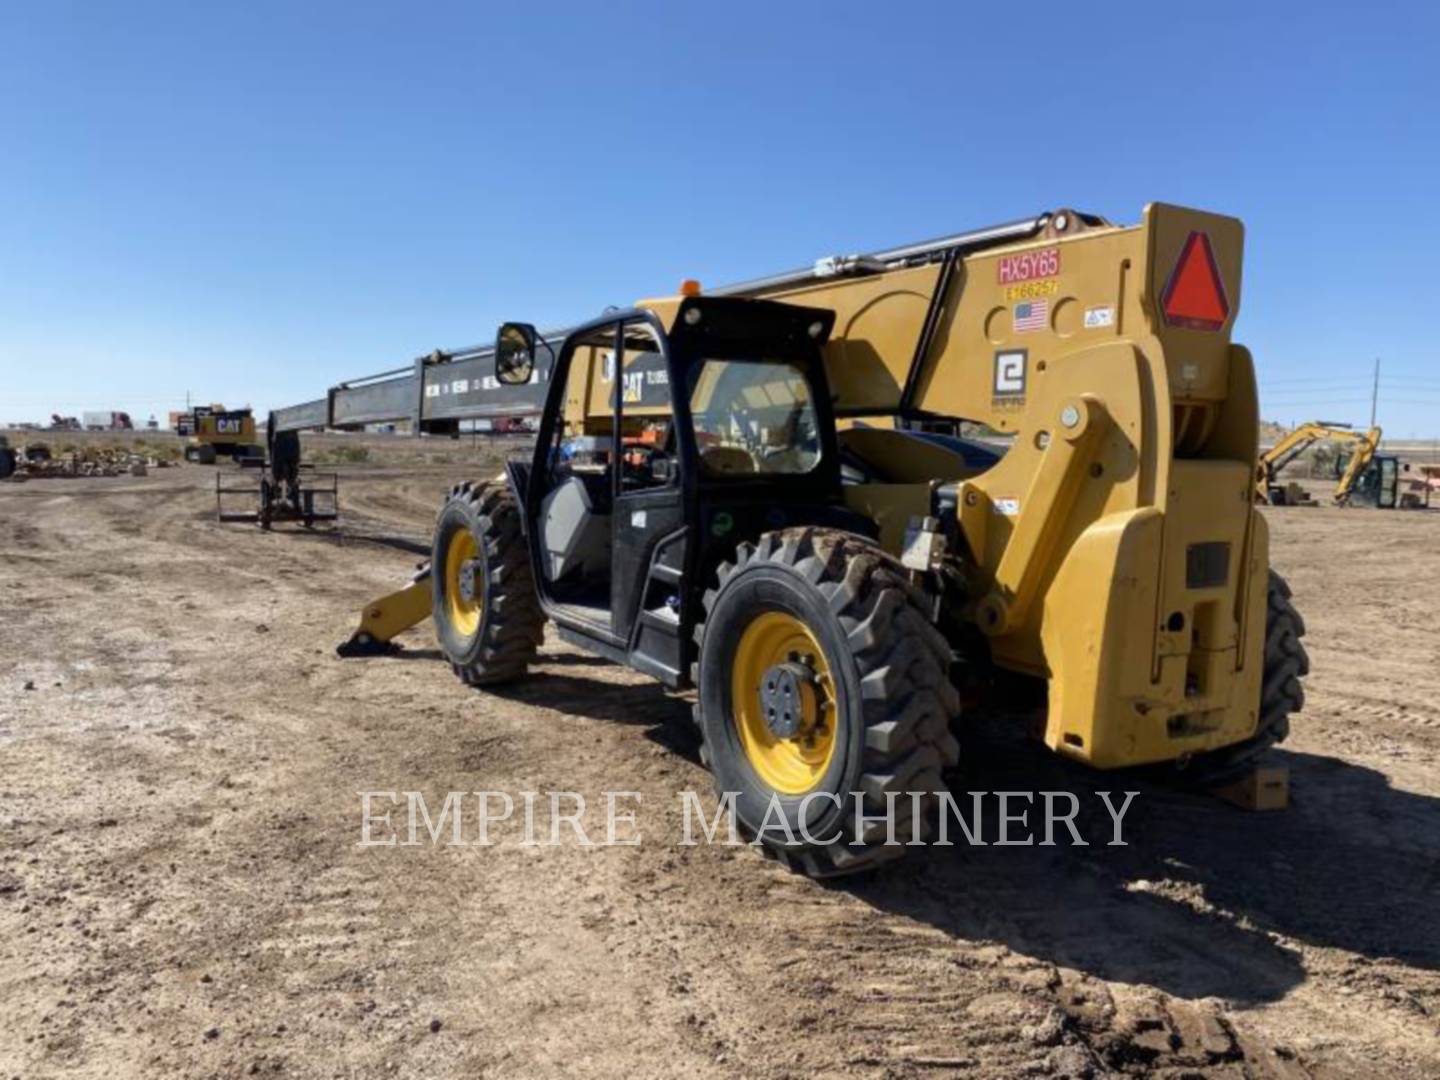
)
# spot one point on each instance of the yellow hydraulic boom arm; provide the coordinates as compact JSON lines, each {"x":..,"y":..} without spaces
{"x":1359,"y":461}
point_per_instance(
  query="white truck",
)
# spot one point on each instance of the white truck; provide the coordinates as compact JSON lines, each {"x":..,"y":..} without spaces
{"x":107,"y":421}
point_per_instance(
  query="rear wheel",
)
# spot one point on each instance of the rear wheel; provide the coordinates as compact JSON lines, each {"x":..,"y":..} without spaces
{"x":823,"y":691}
{"x":487,"y":616}
{"x":1281,"y":692}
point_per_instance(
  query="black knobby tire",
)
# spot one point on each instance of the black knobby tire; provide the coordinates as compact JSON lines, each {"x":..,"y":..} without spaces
{"x":889,"y":665}
{"x":7,"y":462}
{"x":1281,"y":692}
{"x":511,"y":624}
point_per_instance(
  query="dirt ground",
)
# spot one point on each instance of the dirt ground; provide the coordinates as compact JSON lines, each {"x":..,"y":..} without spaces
{"x":182,"y":892}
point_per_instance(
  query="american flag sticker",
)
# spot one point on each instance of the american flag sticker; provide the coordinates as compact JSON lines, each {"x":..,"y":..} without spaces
{"x":1031,"y":315}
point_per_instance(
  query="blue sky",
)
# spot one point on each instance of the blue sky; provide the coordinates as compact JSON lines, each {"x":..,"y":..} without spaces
{"x":252,"y":202}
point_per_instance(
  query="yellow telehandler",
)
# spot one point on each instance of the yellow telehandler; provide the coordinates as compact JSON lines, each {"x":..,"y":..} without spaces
{"x":759,"y":492}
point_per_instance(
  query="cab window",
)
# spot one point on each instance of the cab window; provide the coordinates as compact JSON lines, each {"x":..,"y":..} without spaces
{"x":646,"y":429}
{"x":753,"y":417}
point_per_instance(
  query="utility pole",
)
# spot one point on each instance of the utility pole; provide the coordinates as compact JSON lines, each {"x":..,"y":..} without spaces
{"x":1375,"y":392}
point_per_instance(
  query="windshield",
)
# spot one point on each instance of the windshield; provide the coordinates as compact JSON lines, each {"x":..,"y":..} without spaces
{"x":753,"y":417}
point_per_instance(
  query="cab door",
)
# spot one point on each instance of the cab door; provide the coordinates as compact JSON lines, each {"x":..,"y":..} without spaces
{"x":569,"y":491}
{"x":1387,"y":487}
{"x":650,"y":536}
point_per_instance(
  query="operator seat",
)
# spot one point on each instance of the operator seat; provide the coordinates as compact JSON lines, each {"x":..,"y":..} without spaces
{"x":574,"y":536}
{"x":726,"y":460}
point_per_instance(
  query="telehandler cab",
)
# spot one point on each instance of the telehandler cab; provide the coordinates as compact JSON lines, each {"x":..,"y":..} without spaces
{"x":726,"y":493}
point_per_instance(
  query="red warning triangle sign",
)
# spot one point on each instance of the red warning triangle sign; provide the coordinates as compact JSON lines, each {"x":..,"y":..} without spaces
{"x":1195,"y":296}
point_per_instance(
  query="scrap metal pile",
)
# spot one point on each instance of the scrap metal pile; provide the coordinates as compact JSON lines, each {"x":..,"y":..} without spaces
{"x":35,"y":461}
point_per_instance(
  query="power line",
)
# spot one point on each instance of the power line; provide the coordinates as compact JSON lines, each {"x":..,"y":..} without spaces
{"x":1356,"y":400}
{"x":1309,"y":380}
{"x":1387,"y":378}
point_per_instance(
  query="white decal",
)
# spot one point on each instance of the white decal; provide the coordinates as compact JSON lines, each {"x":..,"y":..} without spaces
{"x":634,"y":387}
{"x":1010,"y":372}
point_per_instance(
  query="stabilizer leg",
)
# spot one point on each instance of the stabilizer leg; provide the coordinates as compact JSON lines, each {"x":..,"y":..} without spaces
{"x":385,"y":618}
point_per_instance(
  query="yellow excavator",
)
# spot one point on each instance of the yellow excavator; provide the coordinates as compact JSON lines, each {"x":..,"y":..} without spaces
{"x":1363,"y":455}
{"x":751,"y":492}
{"x":214,"y":432}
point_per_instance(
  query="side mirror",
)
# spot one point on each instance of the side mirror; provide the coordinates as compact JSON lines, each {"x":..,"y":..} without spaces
{"x":514,"y":353}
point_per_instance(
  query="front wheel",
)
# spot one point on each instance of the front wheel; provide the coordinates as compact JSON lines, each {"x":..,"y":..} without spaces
{"x":487,"y":616}
{"x":824,"y":700}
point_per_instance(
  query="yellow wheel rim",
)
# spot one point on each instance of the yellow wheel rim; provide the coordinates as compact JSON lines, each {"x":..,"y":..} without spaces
{"x":464,"y":615}
{"x":791,"y":766}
